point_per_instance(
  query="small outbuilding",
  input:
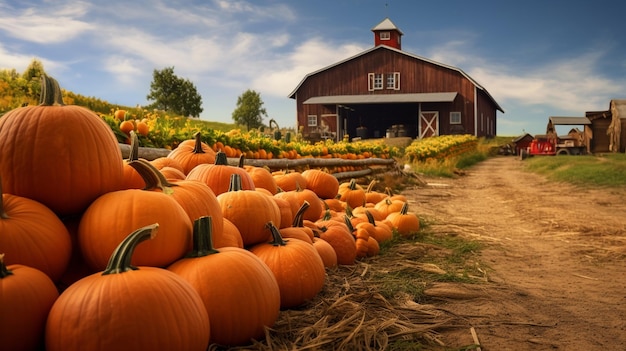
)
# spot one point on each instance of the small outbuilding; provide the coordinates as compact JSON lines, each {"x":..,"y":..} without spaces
{"x":608,"y":127}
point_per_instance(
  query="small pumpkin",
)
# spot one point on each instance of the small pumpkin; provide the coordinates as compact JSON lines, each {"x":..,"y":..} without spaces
{"x":326,"y":252}
{"x":110,"y":309}
{"x":289,"y":180}
{"x":322,"y":183}
{"x":193,"y":152}
{"x":262,"y":178}
{"x":352,"y":193}
{"x":298,"y":268}
{"x":300,"y":195}
{"x":405,"y":222}
{"x":337,"y":234}
{"x":26,"y":296}
{"x":217,"y":175}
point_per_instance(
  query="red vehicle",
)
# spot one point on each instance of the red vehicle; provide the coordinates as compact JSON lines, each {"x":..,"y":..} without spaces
{"x":549,"y":145}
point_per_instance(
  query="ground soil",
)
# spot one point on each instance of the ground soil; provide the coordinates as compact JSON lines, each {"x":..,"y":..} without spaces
{"x":553,"y":259}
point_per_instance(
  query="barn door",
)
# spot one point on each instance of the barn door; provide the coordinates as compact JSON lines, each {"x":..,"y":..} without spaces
{"x":428,"y":124}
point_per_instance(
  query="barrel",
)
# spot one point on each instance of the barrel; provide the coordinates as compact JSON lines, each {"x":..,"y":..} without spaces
{"x":361,"y":132}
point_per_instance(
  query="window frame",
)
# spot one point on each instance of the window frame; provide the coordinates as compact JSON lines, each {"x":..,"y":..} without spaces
{"x":375,"y":81}
{"x":311,"y":120}
{"x":453,"y":114}
{"x":385,"y":35}
{"x":394,"y":79}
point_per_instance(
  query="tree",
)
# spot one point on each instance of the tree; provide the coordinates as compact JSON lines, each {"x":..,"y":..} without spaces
{"x":173,"y":94}
{"x":250,"y":110}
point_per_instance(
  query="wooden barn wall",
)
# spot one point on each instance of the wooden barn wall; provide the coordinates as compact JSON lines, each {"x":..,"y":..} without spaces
{"x":600,"y":142}
{"x":416,"y":76}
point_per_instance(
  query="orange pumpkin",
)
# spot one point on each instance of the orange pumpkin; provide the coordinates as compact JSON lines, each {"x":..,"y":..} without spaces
{"x":298,"y":268}
{"x":326,"y":252}
{"x":249,"y":210}
{"x":103,"y":311}
{"x":62,"y":156}
{"x":405,"y":222}
{"x":230,"y":236}
{"x":262,"y":178}
{"x":352,"y":193}
{"x":324,"y":184}
{"x":32,"y":235}
{"x":337,"y":234}
{"x":192,"y":152}
{"x":132,"y":179}
{"x":237,"y":273}
{"x":297,"y":197}
{"x":217,"y":175}
{"x":290,"y":180}
{"x":26,"y":296}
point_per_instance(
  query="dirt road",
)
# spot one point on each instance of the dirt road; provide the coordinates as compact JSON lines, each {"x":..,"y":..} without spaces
{"x":554,"y":259}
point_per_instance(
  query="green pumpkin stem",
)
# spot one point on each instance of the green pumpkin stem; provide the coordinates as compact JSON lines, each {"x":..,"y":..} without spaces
{"x":235,"y":183}
{"x":121,"y":257}
{"x":153,"y":178}
{"x":50,"y":92}
{"x":242,"y":158}
{"x":353,"y":184}
{"x":405,"y":208}
{"x":4,"y":271}
{"x":370,"y":217}
{"x":346,"y":219}
{"x":327,"y":215}
{"x":298,"y":219}
{"x":203,"y":237}
{"x":197,"y":148}
{"x":277,"y":239}
{"x":134,"y":146}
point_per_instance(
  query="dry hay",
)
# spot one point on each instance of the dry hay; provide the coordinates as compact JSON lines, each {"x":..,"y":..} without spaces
{"x":351,"y":314}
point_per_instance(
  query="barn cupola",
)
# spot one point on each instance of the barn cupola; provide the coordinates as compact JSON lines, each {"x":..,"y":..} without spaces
{"x":386,"y":33}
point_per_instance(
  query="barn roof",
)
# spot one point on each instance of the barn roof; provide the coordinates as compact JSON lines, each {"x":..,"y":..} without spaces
{"x":382,"y":98}
{"x":292,"y":95}
{"x":571,"y":121}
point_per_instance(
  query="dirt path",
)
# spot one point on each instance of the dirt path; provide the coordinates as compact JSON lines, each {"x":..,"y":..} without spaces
{"x":554,"y":258}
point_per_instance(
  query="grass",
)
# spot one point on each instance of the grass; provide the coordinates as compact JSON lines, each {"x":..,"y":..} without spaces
{"x":600,"y":171}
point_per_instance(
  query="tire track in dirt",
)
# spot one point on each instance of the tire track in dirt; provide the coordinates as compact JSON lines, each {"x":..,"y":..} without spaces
{"x":555,"y":257}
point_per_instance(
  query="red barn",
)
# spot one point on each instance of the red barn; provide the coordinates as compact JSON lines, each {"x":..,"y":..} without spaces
{"x":384,"y":91}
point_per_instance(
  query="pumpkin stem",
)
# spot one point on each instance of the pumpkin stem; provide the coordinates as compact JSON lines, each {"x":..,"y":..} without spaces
{"x":197,"y":147}
{"x":277,"y":239}
{"x":134,"y":146}
{"x":50,"y":92}
{"x":352,"y":185}
{"x":241,"y":159}
{"x":121,"y":257}
{"x":348,"y":223}
{"x":4,"y":271}
{"x":370,"y":186}
{"x":3,"y":213}
{"x":405,"y":208}
{"x":298,"y":220}
{"x":370,"y":217}
{"x":221,"y":158}
{"x":235,"y":182}
{"x":203,"y":237}
{"x":153,"y":178}
{"x":327,"y":215}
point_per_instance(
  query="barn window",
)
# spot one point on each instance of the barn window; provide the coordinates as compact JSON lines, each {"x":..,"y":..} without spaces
{"x":312,"y":120}
{"x":455,"y":117}
{"x":374,"y":81}
{"x":385,"y":35}
{"x":393,"y":80}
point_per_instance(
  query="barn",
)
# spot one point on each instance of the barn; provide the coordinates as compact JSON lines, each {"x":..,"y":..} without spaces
{"x":387,"y":92}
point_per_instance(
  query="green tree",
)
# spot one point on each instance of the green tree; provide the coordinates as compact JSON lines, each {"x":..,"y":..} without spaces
{"x":173,"y":94}
{"x":250,"y":110}
{"x":32,"y":78}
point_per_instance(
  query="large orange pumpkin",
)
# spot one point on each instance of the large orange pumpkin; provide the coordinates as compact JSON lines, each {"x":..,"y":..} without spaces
{"x":62,"y":156}
{"x":129,"y":308}
{"x":217,"y":175}
{"x":26,"y":296}
{"x":239,"y":291}
{"x":32,"y":235}
{"x":297,"y":197}
{"x":324,"y":184}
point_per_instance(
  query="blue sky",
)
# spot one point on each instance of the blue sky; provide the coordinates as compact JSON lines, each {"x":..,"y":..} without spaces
{"x":536,"y":58}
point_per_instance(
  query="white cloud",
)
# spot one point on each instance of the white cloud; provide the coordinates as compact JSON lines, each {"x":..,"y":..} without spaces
{"x":48,"y":23}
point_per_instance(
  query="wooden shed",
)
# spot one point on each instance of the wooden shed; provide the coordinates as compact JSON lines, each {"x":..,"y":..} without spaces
{"x":385,"y":90}
{"x":522,"y":142}
{"x":608,"y":128}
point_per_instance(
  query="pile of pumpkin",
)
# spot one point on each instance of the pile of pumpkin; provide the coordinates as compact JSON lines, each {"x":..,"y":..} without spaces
{"x":98,"y":252}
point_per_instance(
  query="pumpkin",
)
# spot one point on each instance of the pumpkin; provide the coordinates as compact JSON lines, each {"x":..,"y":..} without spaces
{"x":192,"y":152}
{"x":322,"y":183}
{"x":26,"y":296}
{"x":60,"y":155}
{"x":297,"y":230}
{"x":104,"y":224}
{"x":372,"y":196}
{"x":352,"y":193}
{"x":337,"y":234}
{"x":32,"y":235}
{"x":164,"y":161}
{"x":326,"y":252}
{"x":286,"y":213}
{"x":217,"y":175}
{"x":129,"y":308}
{"x":297,"y":197}
{"x":289,"y":180}
{"x":406,"y":223}
{"x":172,"y":173}
{"x":236,"y":287}
{"x":387,"y":206}
{"x":382,"y":232}
{"x":230,"y":236}
{"x":298,"y":268}
{"x":262,"y":178}
{"x":249,"y":210}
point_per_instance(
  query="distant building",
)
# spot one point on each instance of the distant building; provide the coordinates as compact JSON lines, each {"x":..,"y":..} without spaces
{"x":384,"y":91}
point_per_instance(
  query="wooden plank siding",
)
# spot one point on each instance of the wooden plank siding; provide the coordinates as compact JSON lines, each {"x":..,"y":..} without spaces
{"x":416,"y":76}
